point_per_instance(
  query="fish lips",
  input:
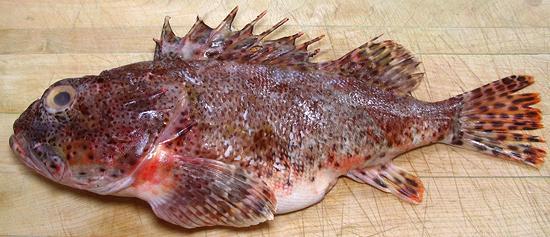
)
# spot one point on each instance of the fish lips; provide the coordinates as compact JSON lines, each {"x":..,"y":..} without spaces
{"x":39,"y":157}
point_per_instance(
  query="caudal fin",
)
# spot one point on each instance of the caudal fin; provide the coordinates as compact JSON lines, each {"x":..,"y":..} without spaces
{"x":492,"y":112}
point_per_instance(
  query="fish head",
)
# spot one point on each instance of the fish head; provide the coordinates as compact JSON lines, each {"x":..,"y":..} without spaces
{"x":92,"y":132}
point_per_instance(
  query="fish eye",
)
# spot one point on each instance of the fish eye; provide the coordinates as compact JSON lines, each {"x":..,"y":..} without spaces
{"x":62,"y":98}
{"x":59,"y":98}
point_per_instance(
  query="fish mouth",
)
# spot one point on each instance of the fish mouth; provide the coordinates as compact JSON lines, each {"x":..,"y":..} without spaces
{"x":28,"y":155}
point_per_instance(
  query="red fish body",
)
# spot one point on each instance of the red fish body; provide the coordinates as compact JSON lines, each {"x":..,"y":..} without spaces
{"x":223,"y":128}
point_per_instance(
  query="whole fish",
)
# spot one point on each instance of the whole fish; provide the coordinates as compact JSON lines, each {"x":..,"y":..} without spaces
{"x":226,"y":128}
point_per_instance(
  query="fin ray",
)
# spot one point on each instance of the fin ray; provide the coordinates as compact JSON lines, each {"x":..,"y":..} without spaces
{"x":491,"y":112}
{"x":392,"y":179}
{"x":195,"y":192}
{"x":385,"y":64}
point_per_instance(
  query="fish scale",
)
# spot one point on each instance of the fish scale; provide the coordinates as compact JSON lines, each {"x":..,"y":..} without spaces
{"x":223,"y":127}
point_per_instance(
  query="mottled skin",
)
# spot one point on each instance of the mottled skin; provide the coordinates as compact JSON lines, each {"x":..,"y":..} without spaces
{"x":103,"y":136}
{"x":226,"y":128}
{"x":284,"y":125}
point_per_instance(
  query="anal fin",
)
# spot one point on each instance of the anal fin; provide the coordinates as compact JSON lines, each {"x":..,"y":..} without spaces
{"x":392,"y":179}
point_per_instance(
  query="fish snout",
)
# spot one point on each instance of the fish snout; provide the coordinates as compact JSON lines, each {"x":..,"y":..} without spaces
{"x":12,"y":143}
{"x":40,"y":157}
{"x":16,"y":147}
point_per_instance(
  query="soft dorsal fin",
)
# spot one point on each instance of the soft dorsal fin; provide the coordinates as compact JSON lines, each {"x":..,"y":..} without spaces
{"x":384,"y":64}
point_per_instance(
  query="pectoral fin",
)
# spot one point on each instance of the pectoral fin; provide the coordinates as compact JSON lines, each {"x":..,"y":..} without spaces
{"x":195,"y":192}
{"x":392,"y":179}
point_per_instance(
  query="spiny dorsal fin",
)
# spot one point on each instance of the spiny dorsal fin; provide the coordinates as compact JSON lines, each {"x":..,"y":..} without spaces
{"x":384,"y":64}
{"x":203,"y":42}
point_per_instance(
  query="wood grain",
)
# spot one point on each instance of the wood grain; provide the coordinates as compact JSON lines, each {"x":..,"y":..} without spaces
{"x":462,"y":44}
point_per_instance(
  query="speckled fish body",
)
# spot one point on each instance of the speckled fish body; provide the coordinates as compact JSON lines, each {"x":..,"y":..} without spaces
{"x":223,"y":128}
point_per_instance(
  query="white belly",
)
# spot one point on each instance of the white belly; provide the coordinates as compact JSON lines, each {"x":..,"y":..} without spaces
{"x":305,"y":193}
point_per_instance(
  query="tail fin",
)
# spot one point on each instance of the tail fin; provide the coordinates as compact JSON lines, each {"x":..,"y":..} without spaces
{"x":490,"y":113}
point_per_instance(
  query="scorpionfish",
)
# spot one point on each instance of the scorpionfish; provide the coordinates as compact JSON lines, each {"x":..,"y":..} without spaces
{"x":225,"y":127}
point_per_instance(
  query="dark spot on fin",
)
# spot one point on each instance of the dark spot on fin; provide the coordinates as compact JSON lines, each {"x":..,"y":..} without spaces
{"x":392,"y":179}
{"x":385,"y":64}
{"x":204,"y":192}
{"x":488,"y":126}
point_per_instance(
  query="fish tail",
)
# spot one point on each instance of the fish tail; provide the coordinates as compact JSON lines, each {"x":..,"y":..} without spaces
{"x":489,"y":115}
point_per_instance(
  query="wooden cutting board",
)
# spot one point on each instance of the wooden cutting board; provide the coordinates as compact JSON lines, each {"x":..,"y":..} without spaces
{"x":463,"y":44}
